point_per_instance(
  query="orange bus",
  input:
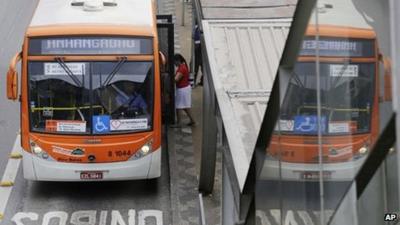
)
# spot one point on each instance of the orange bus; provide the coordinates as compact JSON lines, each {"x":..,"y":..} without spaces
{"x":90,"y":91}
{"x":349,"y":92}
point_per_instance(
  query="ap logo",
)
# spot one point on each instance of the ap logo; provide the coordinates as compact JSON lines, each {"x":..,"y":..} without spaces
{"x":390,"y":216}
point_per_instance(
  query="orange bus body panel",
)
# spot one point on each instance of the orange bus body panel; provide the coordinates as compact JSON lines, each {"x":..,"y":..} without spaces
{"x":107,"y":148}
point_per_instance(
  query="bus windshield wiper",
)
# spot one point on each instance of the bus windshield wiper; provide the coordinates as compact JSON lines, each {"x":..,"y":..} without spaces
{"x":68,"y":71}
{"x":114,"y":71}
{"x":297,"y":79}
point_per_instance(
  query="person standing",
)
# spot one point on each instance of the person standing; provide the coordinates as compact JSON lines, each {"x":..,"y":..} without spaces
{"x":197,"y":53}
{"x":183,"y":98}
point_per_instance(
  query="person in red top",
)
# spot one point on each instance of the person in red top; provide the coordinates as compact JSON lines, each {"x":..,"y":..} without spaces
{"x":183,"y":97}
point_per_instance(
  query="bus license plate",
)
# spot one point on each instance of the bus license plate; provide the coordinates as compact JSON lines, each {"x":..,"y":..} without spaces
{"x":91,"y":175}
{"x":314,"y":175}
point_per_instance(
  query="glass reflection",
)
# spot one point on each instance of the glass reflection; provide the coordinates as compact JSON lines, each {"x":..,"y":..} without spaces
{"x":330,"y":118}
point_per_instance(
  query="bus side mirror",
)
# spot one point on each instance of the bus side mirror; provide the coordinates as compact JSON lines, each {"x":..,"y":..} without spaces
{"x":163,"y":60}
{"x":12,"y":78}
{"x":387,"y":77}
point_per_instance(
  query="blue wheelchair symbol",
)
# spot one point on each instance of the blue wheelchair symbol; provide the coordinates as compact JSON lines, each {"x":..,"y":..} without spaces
{"x":101,"y":124}
{"x":308,"y":124}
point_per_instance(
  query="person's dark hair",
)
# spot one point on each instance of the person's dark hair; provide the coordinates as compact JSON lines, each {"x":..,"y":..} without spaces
{"x":178,"y":58}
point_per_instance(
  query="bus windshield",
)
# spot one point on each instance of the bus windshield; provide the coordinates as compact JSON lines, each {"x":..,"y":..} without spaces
{"x":346,"y":99}
{"x":91,"y":97}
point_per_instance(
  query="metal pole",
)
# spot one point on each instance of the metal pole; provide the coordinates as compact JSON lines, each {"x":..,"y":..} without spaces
{"x":183,"y":13}
{"x":394,"y":7}
{"x":194,"y":19}
{"x":320,"y":152}
{"x":202,"y":213}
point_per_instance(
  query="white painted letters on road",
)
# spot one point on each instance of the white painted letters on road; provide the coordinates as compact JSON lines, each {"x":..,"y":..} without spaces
{"x":78,"y":216}
{"x":90,"y":217}
{"x":143,"y":214}
{"x":61,"y":216}
{"x":17,"y":218}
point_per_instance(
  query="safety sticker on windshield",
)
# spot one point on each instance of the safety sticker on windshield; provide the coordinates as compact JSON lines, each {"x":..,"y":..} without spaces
{"x":66,"y":126}
{"x":340,"y":70}
{"x":129,"y":124}
{"x":285,"y":125}
{"x":339,"y":127}
{"x":57,"y":69}
{"x":101,"y":124}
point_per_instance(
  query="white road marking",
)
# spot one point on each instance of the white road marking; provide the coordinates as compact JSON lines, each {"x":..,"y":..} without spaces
{"x":143,"y":214}
{"x":263,"y":217}
{"x":89,"y":217}
{"x":288,"y":216}
{"x":23,"y":215}
{"x":103,"y":217}
{"x":276,"y":213}
{"x":61,"y":216}
{"x":10,"y":174}
{"x":305,"y":216}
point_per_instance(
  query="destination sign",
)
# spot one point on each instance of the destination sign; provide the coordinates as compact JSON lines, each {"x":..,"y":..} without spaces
{"x":90,"y":45}
{"x":338,"y":47}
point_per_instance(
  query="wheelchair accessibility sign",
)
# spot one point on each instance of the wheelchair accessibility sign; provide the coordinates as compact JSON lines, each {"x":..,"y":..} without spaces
{"x":309,"y":124}
{"x":101,"y":124}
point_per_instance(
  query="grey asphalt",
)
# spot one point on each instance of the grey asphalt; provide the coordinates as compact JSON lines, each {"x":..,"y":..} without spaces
{"x":14,"y":18}
{"x":44,"y":197}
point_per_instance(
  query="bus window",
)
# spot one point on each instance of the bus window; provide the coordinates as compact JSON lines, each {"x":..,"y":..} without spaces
{"x":349,"y":113}
{"x":124,"y":93}
{"x":58,"y":94}
{"x":61,"y":99}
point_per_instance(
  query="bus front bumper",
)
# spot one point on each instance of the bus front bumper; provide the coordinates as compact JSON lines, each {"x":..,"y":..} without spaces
{"x":39,"y":169}
{"x":342,"y":171}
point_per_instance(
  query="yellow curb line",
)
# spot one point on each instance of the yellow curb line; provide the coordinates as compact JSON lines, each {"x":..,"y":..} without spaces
{"x":16,"y":155}
{"x":1,"y":216}
{"x":6,"y":184}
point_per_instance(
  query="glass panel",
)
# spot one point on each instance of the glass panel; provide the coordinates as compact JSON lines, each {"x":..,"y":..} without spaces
{"x":345,"y":153}
{"x":350,"y":114}
{"x":124,"y":95}
{"x":329,"y":120}
{"x":60,"y":97}
{"x":59,"y":100}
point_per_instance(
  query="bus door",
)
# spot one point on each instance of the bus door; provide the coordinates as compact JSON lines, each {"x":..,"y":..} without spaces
{"x":165,"y":29}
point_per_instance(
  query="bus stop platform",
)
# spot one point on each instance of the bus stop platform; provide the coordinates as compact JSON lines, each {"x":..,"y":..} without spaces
{"x":184,"y":144}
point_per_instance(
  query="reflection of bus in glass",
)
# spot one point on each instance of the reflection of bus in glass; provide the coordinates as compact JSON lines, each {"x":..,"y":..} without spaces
{"x":349,"y":91}
{"x":90,"y":91}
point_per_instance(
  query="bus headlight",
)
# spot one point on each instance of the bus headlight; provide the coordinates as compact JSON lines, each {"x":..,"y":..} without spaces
{"x":143,"y":151}
{"x":363,"y":150}
{"x":38,"y":151}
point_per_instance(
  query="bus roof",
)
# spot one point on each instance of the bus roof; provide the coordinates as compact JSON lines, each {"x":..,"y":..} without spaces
{"x":61,"y":12}
{"x":340,"y":13}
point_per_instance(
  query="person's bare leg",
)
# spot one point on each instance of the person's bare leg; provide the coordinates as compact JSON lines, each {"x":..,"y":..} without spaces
{"x":188,"y":111}
{"x":178,"y":116}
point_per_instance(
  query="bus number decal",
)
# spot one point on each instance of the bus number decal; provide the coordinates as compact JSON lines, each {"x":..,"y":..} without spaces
{"x":123,"y":153}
